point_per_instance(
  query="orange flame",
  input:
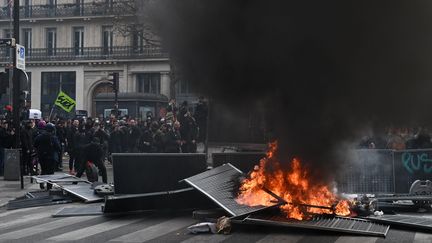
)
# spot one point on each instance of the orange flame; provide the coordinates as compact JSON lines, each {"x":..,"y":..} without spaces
{"x":293,"y":186}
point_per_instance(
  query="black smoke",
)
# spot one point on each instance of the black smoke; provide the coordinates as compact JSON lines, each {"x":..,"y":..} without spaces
{"x":323,"y":69}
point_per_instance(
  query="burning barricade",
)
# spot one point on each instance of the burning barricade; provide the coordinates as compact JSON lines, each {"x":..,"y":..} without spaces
{"x":279,"y":195}
{"x":273,"y":195}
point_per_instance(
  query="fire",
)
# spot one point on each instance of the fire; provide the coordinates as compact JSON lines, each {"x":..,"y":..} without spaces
{"x":292,"y":185}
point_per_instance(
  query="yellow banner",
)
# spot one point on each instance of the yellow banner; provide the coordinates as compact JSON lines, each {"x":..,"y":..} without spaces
{"x":65,"y":102}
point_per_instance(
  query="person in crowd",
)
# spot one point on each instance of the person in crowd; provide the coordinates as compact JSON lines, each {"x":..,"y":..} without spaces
{"x":93,"y":152}
{"x":103,"y":136}
{"x":27,"y":146}
{"x":72,"y":146}
{"x":422,"y":139}
{"x":200,"y":115}
{"x":6,"y":140}
{"x":158,"y":136}
{"x":116,"y":139}
{"x":189,"y":134}
{"x":61,"y":135}
{"x":172,"y":109}
{"x":172,"y":138}
{"x":394,"y":140}
{"x":47,"y":146}
{"x":184,"y":108}
{"x":133,"y":137}
{"x":146,"y":140}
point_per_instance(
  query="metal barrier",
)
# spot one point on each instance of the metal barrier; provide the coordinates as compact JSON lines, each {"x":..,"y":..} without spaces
{"x":136,"y":173}
{"x":384,"y":171}
{"x":367,"y":171}
{"x":363,"y":170}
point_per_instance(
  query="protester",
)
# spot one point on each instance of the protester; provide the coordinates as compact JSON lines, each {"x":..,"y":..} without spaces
{"x":27,"y":146}
{"x":93,"y":153}
{"x":47,"y":146}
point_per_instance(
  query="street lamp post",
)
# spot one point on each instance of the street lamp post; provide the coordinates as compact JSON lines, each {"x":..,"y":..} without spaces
{"x":16,"y":89}
{"x":115,"y":85}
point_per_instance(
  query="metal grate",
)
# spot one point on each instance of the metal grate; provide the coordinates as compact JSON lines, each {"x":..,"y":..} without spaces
{"x":83,"y":191}
{"x":408,"y":221}
{"x":220,"y":185}
{"x":58,"y":178}
{"x":397,"y":197}
{"x":326,"y":223}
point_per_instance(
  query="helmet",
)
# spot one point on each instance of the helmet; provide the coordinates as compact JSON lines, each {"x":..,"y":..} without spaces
{"x":50,"y":127}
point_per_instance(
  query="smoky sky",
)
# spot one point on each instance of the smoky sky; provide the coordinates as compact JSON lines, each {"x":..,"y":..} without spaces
{"x":323,"y":69}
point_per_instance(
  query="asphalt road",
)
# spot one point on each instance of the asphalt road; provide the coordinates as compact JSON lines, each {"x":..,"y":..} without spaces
{"x":38,"y":225}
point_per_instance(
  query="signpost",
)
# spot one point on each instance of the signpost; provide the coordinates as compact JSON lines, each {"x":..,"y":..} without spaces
{"x":20,"y":57}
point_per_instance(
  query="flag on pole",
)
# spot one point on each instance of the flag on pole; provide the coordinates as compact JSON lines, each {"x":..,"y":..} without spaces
{"x":64,"y":101}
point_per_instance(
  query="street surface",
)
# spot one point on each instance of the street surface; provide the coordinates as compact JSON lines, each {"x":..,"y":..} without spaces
{"x":37,"y":225}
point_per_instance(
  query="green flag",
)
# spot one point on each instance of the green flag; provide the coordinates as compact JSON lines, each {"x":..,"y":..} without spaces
{"x":65,"y":102}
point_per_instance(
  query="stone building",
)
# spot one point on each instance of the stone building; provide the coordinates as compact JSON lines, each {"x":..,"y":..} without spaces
{"x":73,"y":45}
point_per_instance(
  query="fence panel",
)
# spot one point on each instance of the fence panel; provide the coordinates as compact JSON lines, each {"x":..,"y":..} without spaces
{"x":367,"y":171}
{"x":411,"y":165}
{"x":136,"y":173}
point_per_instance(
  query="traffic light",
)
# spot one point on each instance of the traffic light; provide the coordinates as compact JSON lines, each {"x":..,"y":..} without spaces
{"x":23,"y":98}
{"x":114,"y":78}
{"x":4,"y":83}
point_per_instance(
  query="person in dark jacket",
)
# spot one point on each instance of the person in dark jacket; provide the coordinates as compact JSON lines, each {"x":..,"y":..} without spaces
{"x":189,"y":134}
{"x":93,"y":152}
{"x":158,"y":137}
{"x":172,"y":139}
{"x":115,"y":141}
{"x":133,"y":137}
{"x":103,"y":136}
{"x":61,"y":135}
{"x":146,"y":140}
{"x":200,"y":115}
{"x":71,"y":145}
{"x":27,"y":146}
{"x":47,"y":146}
{"x":6,"y":138}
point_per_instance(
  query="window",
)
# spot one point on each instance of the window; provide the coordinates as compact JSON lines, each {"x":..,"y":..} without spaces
{"x":52,"y":83}
{"x":52,"y":5}
{"x":51,"y":41}
{"x":27,"y":41}
{"x":27,"y":8}
{"x":78,"y":40}
{"x":148,"y":83}
{"x":79,"y":7}
{"x":107,"y":39}
{"x":183,"y":87}
{"x":138,"y":41}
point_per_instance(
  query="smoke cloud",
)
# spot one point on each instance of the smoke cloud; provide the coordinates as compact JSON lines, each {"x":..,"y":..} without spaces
{"x":323,"y":69}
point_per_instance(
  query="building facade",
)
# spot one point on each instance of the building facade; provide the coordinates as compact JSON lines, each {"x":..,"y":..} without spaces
{"x":73,"y":45}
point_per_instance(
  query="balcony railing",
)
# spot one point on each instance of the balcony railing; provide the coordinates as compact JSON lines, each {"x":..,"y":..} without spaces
{"x":88,"y":53}
{"x":69,"y":10}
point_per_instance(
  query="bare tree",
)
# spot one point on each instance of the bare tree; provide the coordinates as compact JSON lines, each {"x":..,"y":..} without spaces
{"x":134,"y":19}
